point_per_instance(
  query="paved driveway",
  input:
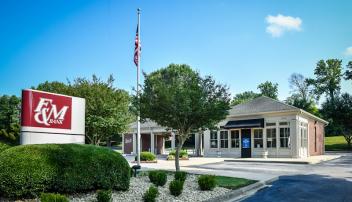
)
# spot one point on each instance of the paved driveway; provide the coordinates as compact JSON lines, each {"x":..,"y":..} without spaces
{"x":327,"y":181}
{"x":305,"y":188}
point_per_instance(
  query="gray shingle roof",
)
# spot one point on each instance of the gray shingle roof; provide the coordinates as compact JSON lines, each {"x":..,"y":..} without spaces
{"x":147,"y":124}
{"x":260,"y":105}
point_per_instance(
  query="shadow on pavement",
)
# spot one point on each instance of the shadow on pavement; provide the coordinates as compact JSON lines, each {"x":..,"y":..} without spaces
{"x":305,"y":188}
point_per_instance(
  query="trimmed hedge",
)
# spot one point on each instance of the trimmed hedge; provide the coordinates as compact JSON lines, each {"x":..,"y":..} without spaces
{"x":28,"y":170}
{"x":183,"y":153}
{"x":146,"y":156}
{"x":206,"y":182}
{"x":49,"y":197}
{"x":180,"y":175}
{"x":151,"y":194}
{"x":176,"y":187}
{"x":158,"y":178}
{"x":104,"y":195}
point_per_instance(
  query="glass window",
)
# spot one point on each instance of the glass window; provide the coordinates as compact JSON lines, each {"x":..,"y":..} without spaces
{"x":235,"y":139}
{"x":214,"y":139}
{"x":284,"y":123}
{"x":224,"y":139}
{"x":258,"y":138}
{"x":285,"y":137}
{"x":271,"y":137}
{"x":270,"y":124}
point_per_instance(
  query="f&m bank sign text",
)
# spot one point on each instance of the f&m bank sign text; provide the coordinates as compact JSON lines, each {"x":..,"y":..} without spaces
{"x":51,"y":118}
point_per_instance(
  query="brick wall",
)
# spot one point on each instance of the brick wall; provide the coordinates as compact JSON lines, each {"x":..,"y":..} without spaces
{"x":316,"y":138}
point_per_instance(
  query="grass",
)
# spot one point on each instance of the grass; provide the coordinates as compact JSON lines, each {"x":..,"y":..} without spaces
{"x":221,"y":181}
{"x":336,"y":143}
{"x":232,"y":182}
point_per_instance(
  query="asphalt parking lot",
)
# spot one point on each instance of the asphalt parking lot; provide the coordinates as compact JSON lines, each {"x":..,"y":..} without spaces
{"x":327,"y":181}
{"x":305,"y":188}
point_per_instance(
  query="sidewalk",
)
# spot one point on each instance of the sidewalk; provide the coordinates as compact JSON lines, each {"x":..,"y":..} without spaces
{"x":188,"y":166}
{"x":308,"y":160}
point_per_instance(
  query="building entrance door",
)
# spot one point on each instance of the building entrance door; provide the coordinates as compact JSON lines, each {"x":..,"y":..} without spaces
{"x":246,"y":143}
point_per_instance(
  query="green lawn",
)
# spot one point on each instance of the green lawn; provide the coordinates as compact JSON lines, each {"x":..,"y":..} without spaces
{"x":336,"y":143}
{"x":221,"y":181}
{"x":232,"y":182}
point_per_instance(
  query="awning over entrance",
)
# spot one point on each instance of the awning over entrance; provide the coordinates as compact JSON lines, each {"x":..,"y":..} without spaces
{"x":249,"y":123}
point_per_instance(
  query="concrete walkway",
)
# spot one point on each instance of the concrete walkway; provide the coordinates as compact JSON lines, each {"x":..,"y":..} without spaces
{"x":221,"y":166}
{"x":308,"y":160}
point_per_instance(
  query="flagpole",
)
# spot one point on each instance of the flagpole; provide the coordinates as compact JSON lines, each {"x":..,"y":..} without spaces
{"x":138,"y":116}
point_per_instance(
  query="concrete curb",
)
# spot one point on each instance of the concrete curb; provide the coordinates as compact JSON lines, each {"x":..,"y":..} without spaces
{"x":254,"y":161}
{"x":241,"y":191}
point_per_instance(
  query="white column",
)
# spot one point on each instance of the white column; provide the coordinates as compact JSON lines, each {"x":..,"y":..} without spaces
{"x":173,"y":140}
{"x":152,"y":147}
{"x":218,"y":135}
{"x":196,"y":143}
{"x":277,"y":138}
{"x":207,"y":143}
{"x":134,"y":143}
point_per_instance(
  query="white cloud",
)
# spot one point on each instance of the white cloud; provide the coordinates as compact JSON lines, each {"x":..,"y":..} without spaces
{"x":348,"y":51}
{"x":279,"y":24}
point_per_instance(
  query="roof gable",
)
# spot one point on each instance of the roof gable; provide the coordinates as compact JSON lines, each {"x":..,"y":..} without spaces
{"x":259,"y":105}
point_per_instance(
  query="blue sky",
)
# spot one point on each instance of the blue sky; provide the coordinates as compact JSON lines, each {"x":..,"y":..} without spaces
{"x":240,"y":43}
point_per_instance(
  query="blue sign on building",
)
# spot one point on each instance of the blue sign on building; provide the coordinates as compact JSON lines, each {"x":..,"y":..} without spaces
{"x":246,"y":143}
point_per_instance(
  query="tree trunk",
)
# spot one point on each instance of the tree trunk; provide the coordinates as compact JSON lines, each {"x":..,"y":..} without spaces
{"x":178,"y":149}
{"x":348,"y":140}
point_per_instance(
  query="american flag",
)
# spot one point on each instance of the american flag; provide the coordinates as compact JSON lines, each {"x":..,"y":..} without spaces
{"x":137,"y":48}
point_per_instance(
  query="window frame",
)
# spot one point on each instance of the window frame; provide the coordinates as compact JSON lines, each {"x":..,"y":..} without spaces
{"x":235,"y":140}
{"x":273,"y":139}
{"x":212,"y":139}
{"x":285,"y":137}
{"x":224,"y":141}
{"x":258,"y":138}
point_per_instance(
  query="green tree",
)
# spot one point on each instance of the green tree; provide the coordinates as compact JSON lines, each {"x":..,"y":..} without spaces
{"x":9,"y":119}
{"x":244,"y":97}
{"x":269,"y":89}
{"x":301,"y":96}
{"x":328,"y":78}
{"x":348,"y":73}
{"x":107,"y":112}
{"x":179,"y":98}
{"x":307,"y":105}
{"x":339,"y":115}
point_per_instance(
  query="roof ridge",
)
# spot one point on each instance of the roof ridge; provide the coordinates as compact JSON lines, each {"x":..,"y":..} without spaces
{"x":281,"y":102}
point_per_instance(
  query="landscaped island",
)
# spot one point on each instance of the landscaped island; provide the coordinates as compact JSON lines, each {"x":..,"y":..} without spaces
{"x":190,"y":192}
{"x":70,"y":172}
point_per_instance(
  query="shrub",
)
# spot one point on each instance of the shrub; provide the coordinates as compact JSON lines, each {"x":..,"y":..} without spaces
{"x":151,"y":194}
{"x":176,"y":187}
{"x":179,"y":175}
{"x":170,"y":157}
{"x":28,"y":170}
{"x":146,"y":156}
{"x":206,"y":182}
{"x":48,"y":197}
{"x":158,"y":178}
{"x":183,"y":153}
{"x":104,"y":195}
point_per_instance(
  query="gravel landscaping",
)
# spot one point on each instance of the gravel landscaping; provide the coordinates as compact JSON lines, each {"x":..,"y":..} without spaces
{"x":139,"y":185}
